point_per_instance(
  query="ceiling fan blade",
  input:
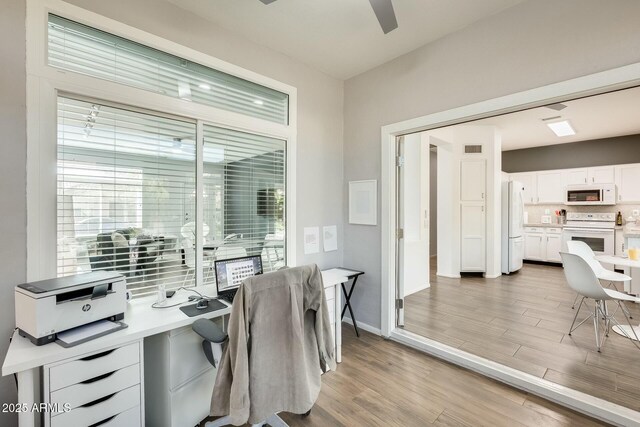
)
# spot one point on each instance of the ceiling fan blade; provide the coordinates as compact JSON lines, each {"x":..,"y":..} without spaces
{"x":385,"y":14}
{"x":267,"y":1}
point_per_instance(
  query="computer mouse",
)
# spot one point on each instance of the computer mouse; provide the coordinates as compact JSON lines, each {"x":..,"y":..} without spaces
{"x":202,"y":304}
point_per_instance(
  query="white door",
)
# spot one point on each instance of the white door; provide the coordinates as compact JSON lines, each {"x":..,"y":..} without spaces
{"x":472,"y":244}
{"x":577,"y":176}
{"x":533,"y":248}
{"x":528,"y":180}
{"x":554,"y":244}
{"x":473,"y":180}
{"x":550,"y":187}
{"x":628,"y":182}
{"x":602,"y":175}
{"x":415,"y":211}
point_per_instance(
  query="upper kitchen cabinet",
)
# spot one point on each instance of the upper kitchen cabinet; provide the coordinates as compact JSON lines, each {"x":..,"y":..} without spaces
{"x":473,"y":181}
{"x":577,"y":176}
{"x":628,"y":183}
{"x":602,"y":175}
{"x":550,"y":186}
{"x":528,"y":180}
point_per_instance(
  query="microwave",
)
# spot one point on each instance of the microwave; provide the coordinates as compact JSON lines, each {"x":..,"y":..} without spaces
{"x":600,"y":194}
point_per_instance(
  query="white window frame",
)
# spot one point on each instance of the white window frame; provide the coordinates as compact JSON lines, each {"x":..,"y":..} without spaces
{"x":44,"y":83}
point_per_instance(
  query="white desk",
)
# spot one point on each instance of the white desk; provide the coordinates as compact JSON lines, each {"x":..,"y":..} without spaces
{"x":25,"y":359}
{"x":623,"y":330}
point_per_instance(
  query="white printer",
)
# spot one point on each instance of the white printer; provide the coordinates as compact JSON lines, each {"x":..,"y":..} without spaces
{"x":47,"y":307}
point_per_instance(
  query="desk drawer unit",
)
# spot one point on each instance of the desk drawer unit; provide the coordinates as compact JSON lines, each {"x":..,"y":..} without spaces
{"x":101,"y":388}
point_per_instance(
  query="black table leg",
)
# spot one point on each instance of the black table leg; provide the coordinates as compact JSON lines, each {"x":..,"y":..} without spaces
{"x":347,"y":297}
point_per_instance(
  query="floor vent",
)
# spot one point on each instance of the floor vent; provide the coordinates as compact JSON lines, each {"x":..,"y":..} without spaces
{"x":473,"y":149}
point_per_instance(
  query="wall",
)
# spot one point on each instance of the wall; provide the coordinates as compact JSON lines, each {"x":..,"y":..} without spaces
{"x":596,"y":152}
{"x":320,"y":107}
{"x":13,"y":154}
{"x":433,"y":202}
{"x":532,"y":44}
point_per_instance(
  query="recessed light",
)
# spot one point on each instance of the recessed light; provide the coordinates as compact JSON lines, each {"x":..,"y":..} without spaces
{"x":258,"y":101}
{"x":204,"y":86}
{"x":562,"y":128}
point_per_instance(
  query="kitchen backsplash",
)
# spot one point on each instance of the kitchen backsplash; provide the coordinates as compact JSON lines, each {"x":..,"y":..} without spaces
{"x":536,"y":211}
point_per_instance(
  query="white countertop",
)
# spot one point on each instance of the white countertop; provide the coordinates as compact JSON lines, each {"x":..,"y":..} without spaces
{"x":142,"y":320}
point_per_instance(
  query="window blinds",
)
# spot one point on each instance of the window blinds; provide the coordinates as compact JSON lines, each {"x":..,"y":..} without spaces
{"x":248,"y":208}
{"x":82,"y":49}
{"x":125,"y":190}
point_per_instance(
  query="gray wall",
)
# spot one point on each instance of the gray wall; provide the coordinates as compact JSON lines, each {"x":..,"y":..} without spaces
{"x":596,"y":152}
{"x":433,"y":202}
{"x":13,"y":155}
{"x":533,"y":44}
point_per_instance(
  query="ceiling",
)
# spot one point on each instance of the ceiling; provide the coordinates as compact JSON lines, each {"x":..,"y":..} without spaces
{"x":342,"y":37}
{"x":602,"y":116}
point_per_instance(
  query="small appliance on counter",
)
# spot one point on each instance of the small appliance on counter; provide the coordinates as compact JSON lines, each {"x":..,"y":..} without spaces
{"x":47,"y":308}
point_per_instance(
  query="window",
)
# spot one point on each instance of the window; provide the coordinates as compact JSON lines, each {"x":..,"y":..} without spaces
{"x":247,"y":204}
{"x":82,"y":49}
{"x":126,"y":187}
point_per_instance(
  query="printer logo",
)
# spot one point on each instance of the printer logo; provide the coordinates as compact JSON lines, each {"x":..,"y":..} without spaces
{"x":86,"y":307}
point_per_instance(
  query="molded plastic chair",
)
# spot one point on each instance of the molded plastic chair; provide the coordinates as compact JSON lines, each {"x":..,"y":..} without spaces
{"x":583,"y":250}
{"x":582,"y":279}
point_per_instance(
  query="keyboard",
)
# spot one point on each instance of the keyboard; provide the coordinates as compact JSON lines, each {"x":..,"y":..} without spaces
{"x":228,"y":296}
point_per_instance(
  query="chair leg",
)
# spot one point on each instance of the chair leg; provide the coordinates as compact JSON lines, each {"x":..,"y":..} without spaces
{"x":571,"y":329}
{"x":596,"y":325}
{"x":573,"y":306}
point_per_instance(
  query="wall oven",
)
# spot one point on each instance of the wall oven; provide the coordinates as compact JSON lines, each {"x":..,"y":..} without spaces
{"x":596,"y":230}
{"x":603,"y":194}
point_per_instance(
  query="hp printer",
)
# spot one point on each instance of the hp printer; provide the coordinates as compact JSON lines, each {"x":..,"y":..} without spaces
{"x":48,"y":307}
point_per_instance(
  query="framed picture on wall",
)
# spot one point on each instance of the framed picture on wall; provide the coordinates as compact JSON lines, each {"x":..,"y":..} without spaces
{"x":363,"y":202}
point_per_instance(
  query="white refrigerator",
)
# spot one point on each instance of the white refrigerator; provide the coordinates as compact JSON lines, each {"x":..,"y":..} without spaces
{"x":512,"y":226}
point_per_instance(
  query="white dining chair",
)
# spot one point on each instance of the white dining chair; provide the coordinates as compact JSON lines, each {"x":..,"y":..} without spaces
{"x":583,"y":250}
{"x":582,"y":279}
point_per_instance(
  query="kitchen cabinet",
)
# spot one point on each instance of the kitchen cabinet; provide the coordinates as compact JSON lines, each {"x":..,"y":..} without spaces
{"x":543,"y":244}
{"x":628,"y":183}
{"x":602,"y":175}
{"x":473,"y":186}
{"x":550,"y":186}
{"x":553,"y":247}
{"x":528,"y":180}
{"x":473,"y":237}
{"x":577,"y":176}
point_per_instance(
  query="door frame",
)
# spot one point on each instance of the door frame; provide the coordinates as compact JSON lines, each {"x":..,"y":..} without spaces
{"x":607,"y":81}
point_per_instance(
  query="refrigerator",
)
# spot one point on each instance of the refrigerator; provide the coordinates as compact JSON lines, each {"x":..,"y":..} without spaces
{"x":512,"y":226}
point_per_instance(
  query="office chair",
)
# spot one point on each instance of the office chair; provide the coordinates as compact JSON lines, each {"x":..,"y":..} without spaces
{"x":213,"y":338}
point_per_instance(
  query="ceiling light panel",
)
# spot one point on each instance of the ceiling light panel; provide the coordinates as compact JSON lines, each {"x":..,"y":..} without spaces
{"x":562,"y":128}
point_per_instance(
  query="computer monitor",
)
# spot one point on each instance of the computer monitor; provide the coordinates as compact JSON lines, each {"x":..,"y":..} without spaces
{"x":231,"y":272}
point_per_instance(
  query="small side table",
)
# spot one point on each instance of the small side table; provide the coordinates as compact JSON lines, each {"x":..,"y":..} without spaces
{"x":353,"y":276}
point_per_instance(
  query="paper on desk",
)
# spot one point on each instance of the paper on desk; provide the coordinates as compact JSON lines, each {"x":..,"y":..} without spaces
{"x":311,"y":240}
{"x":88,"y":332}
{"x":330,"y":238}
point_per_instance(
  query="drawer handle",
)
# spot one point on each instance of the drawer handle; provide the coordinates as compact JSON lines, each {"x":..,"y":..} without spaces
{"x":95,"y":402}
{"x":99,"y":355}
{"x":106,"y":420}
{"x":98,"y":378}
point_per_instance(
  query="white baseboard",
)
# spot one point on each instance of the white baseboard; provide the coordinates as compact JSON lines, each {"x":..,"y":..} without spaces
{"x":364,"y":326}
{"x":492,"y":276}
{"x":592,"y":406}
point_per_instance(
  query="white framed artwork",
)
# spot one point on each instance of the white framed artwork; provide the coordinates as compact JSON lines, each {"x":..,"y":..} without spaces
{"x":363,"y":200}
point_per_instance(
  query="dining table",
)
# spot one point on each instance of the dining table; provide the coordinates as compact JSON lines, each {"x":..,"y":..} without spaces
{"x":624,"y":261}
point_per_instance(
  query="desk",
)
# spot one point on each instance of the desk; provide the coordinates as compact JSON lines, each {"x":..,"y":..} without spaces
{"x":349,"y":275}
{"x":26,"y":360}
{"x":623,"y":330}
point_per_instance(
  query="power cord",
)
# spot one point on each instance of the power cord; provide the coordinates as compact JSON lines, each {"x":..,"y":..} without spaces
{"x":191,"y":298}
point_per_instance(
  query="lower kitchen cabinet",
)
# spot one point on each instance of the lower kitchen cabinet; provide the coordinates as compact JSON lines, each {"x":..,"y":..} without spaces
{"x":542,"y":243}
